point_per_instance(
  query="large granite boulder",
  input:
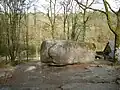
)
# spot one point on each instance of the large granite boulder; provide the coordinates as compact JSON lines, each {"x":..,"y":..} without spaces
{"x":62,"y":52}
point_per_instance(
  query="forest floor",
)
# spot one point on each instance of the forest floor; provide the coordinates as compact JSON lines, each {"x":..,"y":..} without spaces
{"x":37,"y":76}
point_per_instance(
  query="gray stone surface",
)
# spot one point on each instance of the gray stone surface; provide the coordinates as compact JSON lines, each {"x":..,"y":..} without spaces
{"x":112,"y":47}
{"x":62,"y":52}
{"x":34,"y":76}
{"x":90,"y":86}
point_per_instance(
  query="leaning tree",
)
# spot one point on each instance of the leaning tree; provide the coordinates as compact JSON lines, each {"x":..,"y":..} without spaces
{"x":114,"y":28}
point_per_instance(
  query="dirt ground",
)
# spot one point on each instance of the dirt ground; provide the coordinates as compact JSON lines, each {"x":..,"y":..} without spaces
{"x":37,"y":76}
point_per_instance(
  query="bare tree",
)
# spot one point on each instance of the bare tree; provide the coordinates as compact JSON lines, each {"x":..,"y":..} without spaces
{"x":14,"y":11}
{"x":52,"y":15}
{"x":85,"y":17}
{"x":66,"y":8}
{"x":27,"y":33}
{"x":115,"y":29}
{"x":71,"y":17}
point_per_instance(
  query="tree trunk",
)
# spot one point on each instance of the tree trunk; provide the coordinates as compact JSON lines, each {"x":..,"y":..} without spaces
{"x":117,"y":38}
{"x":52,"y":28}
{"x":68,"y":29}
{"x":12,"y":58}
{"x":64,"y":22}
{"x":118,"y":29}
{"x":37,"y":56}
{"x":84,"y":26}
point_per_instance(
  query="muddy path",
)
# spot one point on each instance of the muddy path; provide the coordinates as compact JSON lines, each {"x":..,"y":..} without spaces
{"x":35,"y":76}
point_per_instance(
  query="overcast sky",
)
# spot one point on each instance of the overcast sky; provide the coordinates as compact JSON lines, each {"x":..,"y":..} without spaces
{"x":40,"y":3}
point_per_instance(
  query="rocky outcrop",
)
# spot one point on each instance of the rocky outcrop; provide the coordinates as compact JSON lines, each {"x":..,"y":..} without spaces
{"x":62,"y":52}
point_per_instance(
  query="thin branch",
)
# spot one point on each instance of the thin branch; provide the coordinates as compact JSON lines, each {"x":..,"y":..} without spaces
{"x":87,"y":18}
{"x":86,"y":2}
{"x":80,"y":4}
{"x":59,"y":9}
{"x":91,"y":3}
{"x":108,"y":17}
{"x":110,"y":7}
{"x":50,"y":19}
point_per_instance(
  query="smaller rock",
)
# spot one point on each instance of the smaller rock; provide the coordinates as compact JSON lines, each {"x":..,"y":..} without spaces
{"x":2,"y":74}
{"x":118,"y":80}
{"x":30,"y":68}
